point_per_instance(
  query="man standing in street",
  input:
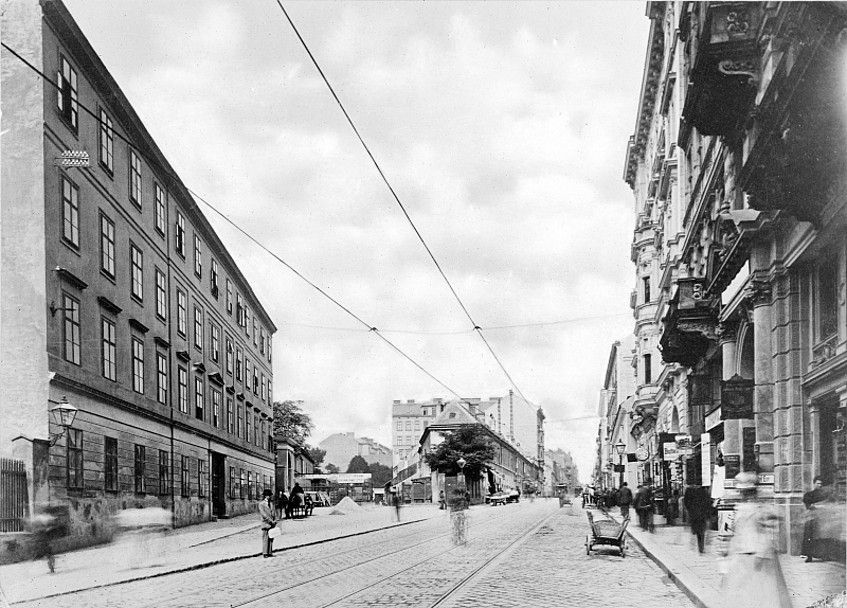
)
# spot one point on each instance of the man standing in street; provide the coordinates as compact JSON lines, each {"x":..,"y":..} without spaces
{"x":697,"y":505}
{"x":266,"y":512}
{"x":624,"y":500}
{"x":644,"y":507}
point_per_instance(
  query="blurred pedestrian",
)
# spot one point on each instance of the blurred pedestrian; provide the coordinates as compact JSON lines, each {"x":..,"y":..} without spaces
{"x":44,"y":529}
{"x":625,"y":500}
{"x":672,"y":508}
{"x":441,"y":504}
{"x":281,"y":504}
{"x":266,"y":512}
{"x":643,"y":504}
{"x":698,"y":505}
{"x":397,"y":503}
{"x":754,"y":578}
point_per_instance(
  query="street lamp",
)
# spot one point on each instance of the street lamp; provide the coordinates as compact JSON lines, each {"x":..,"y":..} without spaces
{"x":620,"y":448}
{"x":458,"y":521}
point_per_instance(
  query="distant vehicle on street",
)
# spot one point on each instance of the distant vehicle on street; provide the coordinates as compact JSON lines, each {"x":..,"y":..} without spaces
{"x":501,"y":498}
{"x":319,"y":499}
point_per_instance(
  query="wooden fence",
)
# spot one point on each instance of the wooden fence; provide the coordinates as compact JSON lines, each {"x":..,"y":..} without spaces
{"x":13,"y":495}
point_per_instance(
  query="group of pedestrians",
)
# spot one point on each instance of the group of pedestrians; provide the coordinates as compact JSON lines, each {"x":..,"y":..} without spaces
{"x":273,"y":509}
{"x":642,"y":502}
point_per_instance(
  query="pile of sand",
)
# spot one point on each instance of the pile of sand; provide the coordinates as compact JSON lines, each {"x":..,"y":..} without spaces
{"x":345,"y":505}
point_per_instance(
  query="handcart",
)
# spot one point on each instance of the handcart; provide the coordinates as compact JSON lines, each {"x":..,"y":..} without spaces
{"x":606,"y":532}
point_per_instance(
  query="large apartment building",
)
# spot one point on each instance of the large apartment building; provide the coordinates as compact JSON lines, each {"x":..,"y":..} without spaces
{"x":119,"y":298}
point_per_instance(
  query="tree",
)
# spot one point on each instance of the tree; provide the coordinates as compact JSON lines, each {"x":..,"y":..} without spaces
{"x":380,"y":474}
{"x":469,"y":442}
{"x":316,"y":454}
{"x":292,"y":422}
{"x":331,"y":468}
{"x":357,"y":465}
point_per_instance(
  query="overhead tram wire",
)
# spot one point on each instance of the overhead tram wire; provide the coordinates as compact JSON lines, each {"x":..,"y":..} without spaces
{"x":474,"y":324}
{"x":173,"y":176}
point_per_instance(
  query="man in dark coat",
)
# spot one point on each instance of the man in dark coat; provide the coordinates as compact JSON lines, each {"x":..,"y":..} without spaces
{"x":643,"y":504}
{"x":698,"y":505}
{"x":625,"y":500}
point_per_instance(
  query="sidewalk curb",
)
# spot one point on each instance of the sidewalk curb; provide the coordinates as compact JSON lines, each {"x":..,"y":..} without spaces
{"x":217,"y":562}
{"x":673,"y":576}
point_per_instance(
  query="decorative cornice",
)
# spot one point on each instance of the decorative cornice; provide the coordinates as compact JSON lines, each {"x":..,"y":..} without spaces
{"x":161,"y":342}
{"x":215,"y":378}
{"x":183,"y":355}
{"x":199,"y":367}
{"x":70,"y":278}
{"x":138,"y":326}
{"x":109,"y":305}
{"x":759,"y":293}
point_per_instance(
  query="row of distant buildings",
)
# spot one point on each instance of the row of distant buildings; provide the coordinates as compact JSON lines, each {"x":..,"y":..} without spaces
{"x":512,"y":424}
{"x":136,"y":358}
{"x":738,"y":358}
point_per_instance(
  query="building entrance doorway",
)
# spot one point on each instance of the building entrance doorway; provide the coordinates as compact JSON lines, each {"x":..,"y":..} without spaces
{"x":218,"y":485}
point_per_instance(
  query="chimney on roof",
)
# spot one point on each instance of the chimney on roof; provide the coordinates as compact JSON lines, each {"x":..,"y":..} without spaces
{"x":396,"y":401}
{"x":437,"y":400}
{"x":410,"y":401}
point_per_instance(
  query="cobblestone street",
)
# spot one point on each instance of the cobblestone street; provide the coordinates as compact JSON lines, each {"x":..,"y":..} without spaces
{"x":544,"y":564}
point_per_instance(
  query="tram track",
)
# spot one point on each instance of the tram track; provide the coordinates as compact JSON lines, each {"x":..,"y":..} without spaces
{"x":490,"y":561}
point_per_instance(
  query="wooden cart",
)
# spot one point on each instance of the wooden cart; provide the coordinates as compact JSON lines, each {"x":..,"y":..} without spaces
{"x":606,"y":532}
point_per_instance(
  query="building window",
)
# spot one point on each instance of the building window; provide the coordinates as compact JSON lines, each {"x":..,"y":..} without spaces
{"x":648,"y":372}
{"x":198,"y":398}
{"x":161,"y":295}
{"x":262,"y":383}
{"x":248,"y":434}
{"x":110,"y":462}
{"x":202,"y":475}
{"x":408,"y":424}
{"x":181,"y":311}
{"x":198,"y":257}
{"x":216,"y":408}
{"x":135,"y":178}
{"x":238,"y":364}
{"x":108,"y":343}
{"x":198,"y":328}
{"x":229,"y":415}
{"x":233,"y":483}
{"x":179,"y":234}
{"x":215,"y":339}
{"x":70,"y":212}
{"x":261,"y":341}
{"x":228,"y":297}
{"x":239,"y":310}
{"x":246,"y":321}
{"x":107,"y":142}
{"x":185,"y":478}
{"x":67,"y":95}
{"x":646,"y":282}
{"x":248,"y":375}
{"x":182,"y":389}
{"x":249,"y":485}
{"x":229,"y":356}
{"x":161,"y":378}
{"x":270,"y":391}
{"x":255,"y":333}
{"x":140,"y":469}
{"x":160,"y":209}
{"x":269,"y":348}
{"x":255,"y":430}
{"x":263,"y":435}
{"x":255,"y":381}
{"x":164,"y":472}
{"x":75,"y":476}
{"x":136,"y":261}
{"x":399,"y":425}
{"x":137,"y":365}
{"x":826,"y":298}
{"x":242,"y":487}
{"x":107,"y":245}
{"x":238,"y":417}
{"x":71,"y":337}
{"x":213,"y":278}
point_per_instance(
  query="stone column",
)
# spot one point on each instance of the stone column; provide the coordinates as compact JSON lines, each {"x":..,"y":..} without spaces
{"x":728,"y":340}
{"x":760,"y":296}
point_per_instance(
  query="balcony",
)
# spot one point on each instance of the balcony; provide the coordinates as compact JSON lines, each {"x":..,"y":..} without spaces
{"x":689,"y":325}
{"x":722,"y":47}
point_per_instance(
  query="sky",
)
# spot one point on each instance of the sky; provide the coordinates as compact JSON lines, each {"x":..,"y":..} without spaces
{"x":501,"y":126}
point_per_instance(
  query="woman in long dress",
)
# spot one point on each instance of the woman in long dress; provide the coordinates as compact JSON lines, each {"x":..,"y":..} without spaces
{"x":754,"y":579}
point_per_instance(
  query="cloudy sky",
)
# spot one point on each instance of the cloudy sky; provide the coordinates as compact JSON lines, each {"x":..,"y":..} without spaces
{"x":502,"y":127}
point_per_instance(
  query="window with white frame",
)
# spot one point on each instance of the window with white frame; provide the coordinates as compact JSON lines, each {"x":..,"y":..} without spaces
{"x":161,"y":295}
{"x":199,"y":399}
{"x":161,"y":222}
{"x":215,"y":340}
{"x":107,"y":142}
{"x":137,"y":365}
{"x":181,"y":312}
{"x":161,"y":378}
{"x":71,"y":329}
{"x":179,"y":234}
{"x":198,"y":328}
{"x":136,"y":262}
{"x":108,"y":349}
{"x":198,"y":256}
{"x":107,"y":245}
{"x":213,"y":278}
{"x":182,"y":389}
{"x":70,"y":212}
{"x":134,"y":178}
{"x":67,"y":95}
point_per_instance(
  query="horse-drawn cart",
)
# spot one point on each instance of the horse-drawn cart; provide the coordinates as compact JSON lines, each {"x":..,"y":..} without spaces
{"x":606,"y":532}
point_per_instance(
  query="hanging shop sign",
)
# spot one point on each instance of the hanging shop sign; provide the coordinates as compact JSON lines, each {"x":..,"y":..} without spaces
{"x":713,"y":418}
{"x":737,"y":398}
{"x":670,"y":451}
{"x":684,"y":445}
{"x":706,"y":459}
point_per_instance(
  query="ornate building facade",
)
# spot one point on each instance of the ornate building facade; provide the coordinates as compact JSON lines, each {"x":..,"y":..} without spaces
{"x":739,"y":170}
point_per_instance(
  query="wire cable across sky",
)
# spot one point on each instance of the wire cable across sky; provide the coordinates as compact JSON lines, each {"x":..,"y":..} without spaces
{"x":474,"y":324}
